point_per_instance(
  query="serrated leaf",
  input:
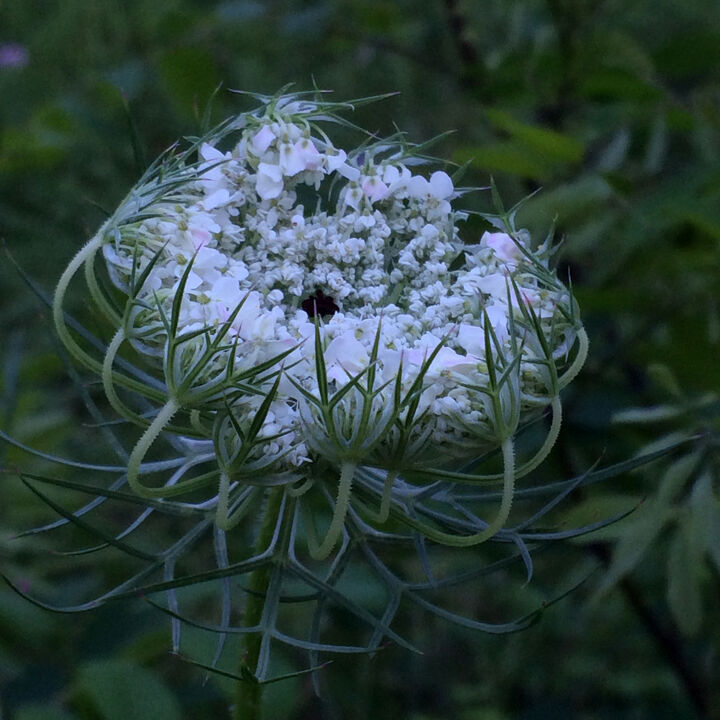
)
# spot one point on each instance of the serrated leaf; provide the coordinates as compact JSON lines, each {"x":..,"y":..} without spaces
{"x":119,"y":689}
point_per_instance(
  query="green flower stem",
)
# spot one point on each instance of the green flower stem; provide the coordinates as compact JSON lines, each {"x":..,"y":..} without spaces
{"x":508,"y":453}
{"x":582,"y":353}
{"x":529,"y":465}
{"x":453,"y":540}
{"x":550,"y":440}
{"x":347,"y":473}
{"x":248,"y":698}
{"x":108,"y":381}
{"x":224,"y":518}
{"x":144,"y":444}
{"x":382,"y":515}
{"x":110,"y":378}
{"x":86,"y":255}
{"x":88,"y":251}
{"x":97,"y":294}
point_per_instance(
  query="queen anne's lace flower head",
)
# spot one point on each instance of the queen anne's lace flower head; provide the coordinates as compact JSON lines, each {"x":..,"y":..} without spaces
{"x":310,"y":306}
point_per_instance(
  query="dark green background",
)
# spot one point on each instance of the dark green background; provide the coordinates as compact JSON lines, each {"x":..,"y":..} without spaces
{"x":611,"y":107}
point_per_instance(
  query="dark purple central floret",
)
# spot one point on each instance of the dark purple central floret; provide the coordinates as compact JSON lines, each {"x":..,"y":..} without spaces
{"x":319,"y":304}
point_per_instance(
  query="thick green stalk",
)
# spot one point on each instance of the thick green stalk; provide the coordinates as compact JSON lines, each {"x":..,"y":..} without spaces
{"x":248,"y":698}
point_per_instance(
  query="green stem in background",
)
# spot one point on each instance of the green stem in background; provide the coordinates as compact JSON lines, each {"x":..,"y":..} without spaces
{"x":248,"y":702}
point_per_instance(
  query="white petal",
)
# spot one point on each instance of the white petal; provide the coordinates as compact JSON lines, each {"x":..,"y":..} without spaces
{"x":269,"y":182}
{"x":345,"y":353}
{"x":494,"y":285}
{"x":291,"y":161}
{"x":210,"y":153}
{"x":216,"y":199}
{"x":309,"y":153}
{"x":441,"y":186}
{"x":351,"y":173}
{"x":418,"y":187}
{"x":471,"y":338}
{"x":336,"y":160}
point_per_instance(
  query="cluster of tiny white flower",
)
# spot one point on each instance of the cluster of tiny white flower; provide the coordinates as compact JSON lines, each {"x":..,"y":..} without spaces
{"x":285,"y":235}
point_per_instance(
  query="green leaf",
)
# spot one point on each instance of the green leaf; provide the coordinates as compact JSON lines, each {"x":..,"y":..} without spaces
{"x":505,"y":157}
{"x":634,"y":543}
{"x":119,"y":689}
{"x":42,"y":712}
{"x":190,"y":74}
{"x":676,"y":475}
{"x":551,"y":146}
{"x":598,"y":508}
{"x":617,"y":84}
{"x":650,"y":520}
{"x":656,"y":413}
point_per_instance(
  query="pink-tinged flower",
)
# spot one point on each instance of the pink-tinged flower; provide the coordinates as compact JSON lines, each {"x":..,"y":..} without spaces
{"x":301,"y":156}
{"x":269,"y":183}
{"x":503,"y":245}
{"x":201,"y":227}
{"x":13,"y":55}
{"x":262,"y":140}
{"x":312,"y":159}
{"x":375,"y":189}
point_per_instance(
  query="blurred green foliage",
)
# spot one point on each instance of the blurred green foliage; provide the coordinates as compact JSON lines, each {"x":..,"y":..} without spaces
{"x":613,"y":109}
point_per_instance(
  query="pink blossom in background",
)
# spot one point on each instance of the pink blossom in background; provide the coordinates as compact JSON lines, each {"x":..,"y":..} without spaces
{"x":13,"y":55}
